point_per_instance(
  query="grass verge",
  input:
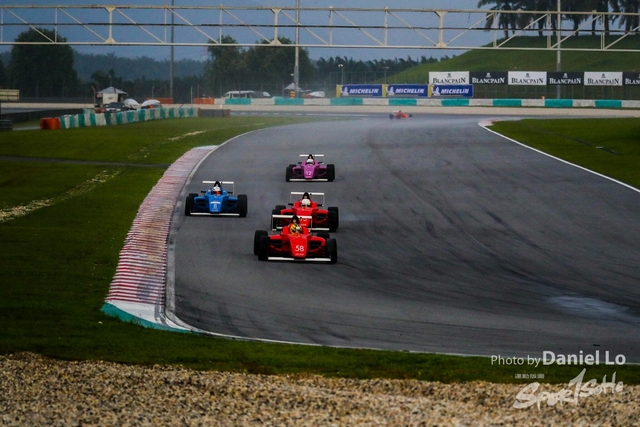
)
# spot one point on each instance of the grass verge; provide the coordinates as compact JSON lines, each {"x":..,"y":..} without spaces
{"x":57,"y":260}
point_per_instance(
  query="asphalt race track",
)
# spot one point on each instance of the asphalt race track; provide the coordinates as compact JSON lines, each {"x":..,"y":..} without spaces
{"x":451,"y":239}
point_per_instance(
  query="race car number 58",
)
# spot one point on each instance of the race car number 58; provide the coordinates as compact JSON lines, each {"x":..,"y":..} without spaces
{"x":299,"y":248}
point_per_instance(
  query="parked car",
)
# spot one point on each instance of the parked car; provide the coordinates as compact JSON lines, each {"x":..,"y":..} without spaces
{"x":115,"y":107}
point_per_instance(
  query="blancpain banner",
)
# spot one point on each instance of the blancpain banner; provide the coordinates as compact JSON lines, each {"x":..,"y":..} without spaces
{"x":448,"y":78}
{"x":600,"y":78}
{"x":528,"y":78}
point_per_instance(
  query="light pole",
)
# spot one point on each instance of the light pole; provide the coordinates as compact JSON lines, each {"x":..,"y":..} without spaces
{"x":172,"y":58}
{"x":385,"y":74}
{"x":558,"y":55}
{"x":296,"y":67}
{"x":341,"y":66}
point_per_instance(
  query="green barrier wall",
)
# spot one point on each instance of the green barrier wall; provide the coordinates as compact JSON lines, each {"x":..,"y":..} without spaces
{"x":124,"y":117}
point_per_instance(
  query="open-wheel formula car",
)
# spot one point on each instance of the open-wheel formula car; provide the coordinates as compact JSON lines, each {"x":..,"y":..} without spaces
{"x":216,"y":201}
{"x":295,"y":245}
{"x":311,"y":169}
{"x":307,"y":205}
{"x":400,"y":115}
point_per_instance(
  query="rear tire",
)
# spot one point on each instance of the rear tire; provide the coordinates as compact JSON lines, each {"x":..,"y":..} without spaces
{"x":333,"y":221}
{"x":331,"y":172}
{"x":188,"y":204}
{"x":280,"y":208}
{"x":332,"y":250}
{"x":391,"y":116}
{"x":263,"y":249}
{"x":337,"y":216}
{"x":256,"y":240}
{"x":324,"y":235}
{"x":242,"y":205}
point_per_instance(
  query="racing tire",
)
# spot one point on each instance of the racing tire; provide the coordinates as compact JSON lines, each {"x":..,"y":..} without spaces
{"x":289,"y":173}
{"x":242,"y":205}
{"x":256,"y":240}
{"x":324,"y":235}
{"x":334,"y":209}
{"x":391,"y":116}
{"x":331,"y":172}
{"x":280,"y":208}
{"x":333,"y":221}
{"x":188,"y":204}
{"x":263,"y":248}
{"x":332,"y":250}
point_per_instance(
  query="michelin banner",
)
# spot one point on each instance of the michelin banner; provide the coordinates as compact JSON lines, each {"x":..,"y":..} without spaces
{"x":360,"y":90}
{"x":405,"y":90}
{"x":449,"y":91}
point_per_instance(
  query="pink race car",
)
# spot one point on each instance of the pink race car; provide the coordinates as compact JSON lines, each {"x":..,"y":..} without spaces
{"x":310,"y":170}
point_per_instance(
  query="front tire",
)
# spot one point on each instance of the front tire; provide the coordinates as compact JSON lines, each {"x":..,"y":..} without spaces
{"x":263,"y":249}
{"x":331,"y":172}
{"x":332,"y":250}
{"x":256,"y":240}
{"x":289,"y":173}
{"x":188,"y":204}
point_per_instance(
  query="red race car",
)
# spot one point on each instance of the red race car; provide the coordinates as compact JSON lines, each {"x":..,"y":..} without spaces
{"x":305,"y":206}
{"x":295,"y":243}
{"x":400,"y":115}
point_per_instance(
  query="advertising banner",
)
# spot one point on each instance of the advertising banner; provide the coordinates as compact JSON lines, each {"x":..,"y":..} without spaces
{"x":408,"y":90}
{"x":562,"y":78}
{"x":528,"y":78}
{"x":602,"y":78}
{"x":488,"y":77}
{"x":361,"y":90}
{"x":449,"y":78}
{"x":631,"y":78}
{"x":449,"y":91}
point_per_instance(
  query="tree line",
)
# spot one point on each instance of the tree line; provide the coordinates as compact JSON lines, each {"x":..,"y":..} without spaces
{"x":265,"y":68}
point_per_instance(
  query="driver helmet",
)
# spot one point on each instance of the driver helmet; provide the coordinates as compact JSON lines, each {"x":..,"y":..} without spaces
{"x":309,"y":161}
{"x":216,"y":189}
{"x":306,"y":203}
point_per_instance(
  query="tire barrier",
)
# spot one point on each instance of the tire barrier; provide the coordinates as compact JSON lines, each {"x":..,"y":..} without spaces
{"x":124,"y":117}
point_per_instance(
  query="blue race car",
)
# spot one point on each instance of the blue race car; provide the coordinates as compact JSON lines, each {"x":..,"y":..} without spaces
{"x":216,"y":201}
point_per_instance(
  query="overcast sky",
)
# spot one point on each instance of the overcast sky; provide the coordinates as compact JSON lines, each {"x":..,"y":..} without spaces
{"x":200,"y":53}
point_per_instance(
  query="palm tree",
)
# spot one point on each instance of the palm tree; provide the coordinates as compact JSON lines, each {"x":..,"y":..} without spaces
{"x":630,"y":22}
{"x":506,"y":21}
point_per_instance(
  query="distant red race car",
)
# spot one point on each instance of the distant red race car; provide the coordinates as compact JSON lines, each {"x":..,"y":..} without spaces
{"x":295,"y":246}
{"x":305,"y":207}
{"x":400,"y":115}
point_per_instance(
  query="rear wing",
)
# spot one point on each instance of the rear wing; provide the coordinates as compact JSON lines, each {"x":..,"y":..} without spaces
{"x":224,"y":184}
{"x":297,"y":195}
{"x":315,"y":156}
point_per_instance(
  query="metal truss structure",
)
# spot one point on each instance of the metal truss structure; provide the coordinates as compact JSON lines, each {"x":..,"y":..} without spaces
{"x":332,"y":27}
